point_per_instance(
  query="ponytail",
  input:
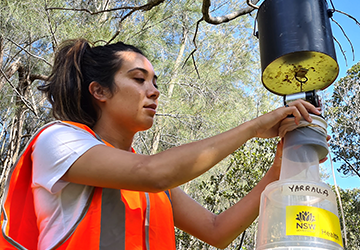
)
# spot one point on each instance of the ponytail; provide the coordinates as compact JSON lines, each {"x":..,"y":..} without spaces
{"x":76,"y":65}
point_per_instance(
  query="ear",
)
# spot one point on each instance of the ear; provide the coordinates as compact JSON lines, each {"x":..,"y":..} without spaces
{"x":99,"y":92}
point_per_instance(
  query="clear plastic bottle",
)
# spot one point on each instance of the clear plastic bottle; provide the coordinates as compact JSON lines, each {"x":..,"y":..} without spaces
{"x":299,"y":212}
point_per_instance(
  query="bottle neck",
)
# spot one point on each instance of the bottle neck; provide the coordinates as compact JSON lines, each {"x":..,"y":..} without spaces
{"x":300,"y":162}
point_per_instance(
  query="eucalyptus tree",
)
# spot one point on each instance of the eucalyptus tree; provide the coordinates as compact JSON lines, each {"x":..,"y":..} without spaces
{"x":350,"y":199}
{"x":203,"y":52}
{"x":29,"y":34}
{"x":344,"y":118}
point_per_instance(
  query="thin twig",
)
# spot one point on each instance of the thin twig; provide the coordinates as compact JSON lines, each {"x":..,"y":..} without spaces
{"x":91,"y":12}
{"x":26,"y":102}
{"x":50,"y":26}
{"x":107,"y":3}
{"x":146,"y":7}
{"x":27,"y":52}
{"x":196,"y":69}
{"x":119,"y":29}
{"x":342,"y":51}
{"x":350,"y":166}
{"x":169,"y":115}
{"x":194,"y":41}
{"x":343,"y":31}
{"x":150,"y":26}
{"x":350,"y":16}
{"x":225,"y":18}
{"x":251,"y":4}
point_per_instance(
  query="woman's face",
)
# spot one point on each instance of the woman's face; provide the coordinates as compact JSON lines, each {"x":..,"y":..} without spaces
{"x":134,"y":101}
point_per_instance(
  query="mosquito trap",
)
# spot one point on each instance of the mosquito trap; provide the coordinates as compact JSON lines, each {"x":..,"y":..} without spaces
{"x":298,"y":212}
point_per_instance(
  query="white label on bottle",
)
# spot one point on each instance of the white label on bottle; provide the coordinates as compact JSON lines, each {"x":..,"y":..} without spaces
{"x":307,"y":189}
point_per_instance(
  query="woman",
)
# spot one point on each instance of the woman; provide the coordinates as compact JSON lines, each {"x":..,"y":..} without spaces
{"x":91,"y":191}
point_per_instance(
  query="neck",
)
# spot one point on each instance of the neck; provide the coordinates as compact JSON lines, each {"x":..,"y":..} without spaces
{"x":118,"y":138}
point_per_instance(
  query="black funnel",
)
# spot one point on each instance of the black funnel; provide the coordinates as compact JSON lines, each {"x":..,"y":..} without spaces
{"x":296,"y":46}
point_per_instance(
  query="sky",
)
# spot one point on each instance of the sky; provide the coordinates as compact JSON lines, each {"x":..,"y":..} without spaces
{"x":352,"y":30}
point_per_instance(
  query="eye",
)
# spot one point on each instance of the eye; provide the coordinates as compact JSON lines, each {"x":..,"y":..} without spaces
{"x":140,"y":80}
{"x":155,"y":85}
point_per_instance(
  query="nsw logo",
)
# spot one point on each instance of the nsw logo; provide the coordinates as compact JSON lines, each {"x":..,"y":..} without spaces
{"x":306,"y":221}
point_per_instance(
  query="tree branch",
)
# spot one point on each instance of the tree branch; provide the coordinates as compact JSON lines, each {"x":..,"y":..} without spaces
{"x":343,"y":31}
{"x":350,"y":166}
{"x":151,"y":4}
{"x":196,"y":69}
{"x":146,"y":7}
{"x":89,"y":11}
{"x":27,"y":52}
{"x":26,"y":102}
{"x":350,"y":16}
{"x":195,"y":49}
{"x":226,"y":18}
{"x":251,"y":4}
{"x":52,"y":32}
{"x":34,"y":77}
{"x":14,"y":66}
{"x":341,"y":49}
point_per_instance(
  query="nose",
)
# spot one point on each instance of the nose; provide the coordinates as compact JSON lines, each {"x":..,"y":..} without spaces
{"x":153,"y":92}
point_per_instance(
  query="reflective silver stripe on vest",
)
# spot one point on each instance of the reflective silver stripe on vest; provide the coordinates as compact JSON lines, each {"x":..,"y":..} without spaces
{"x":112,"y":232}
{"x":147,"y":222}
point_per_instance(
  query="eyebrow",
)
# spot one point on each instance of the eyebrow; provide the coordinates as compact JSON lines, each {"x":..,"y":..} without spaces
{"x":142,"y":70}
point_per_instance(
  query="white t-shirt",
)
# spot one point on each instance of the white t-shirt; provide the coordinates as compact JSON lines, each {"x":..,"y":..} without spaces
{"x":58,"y":204}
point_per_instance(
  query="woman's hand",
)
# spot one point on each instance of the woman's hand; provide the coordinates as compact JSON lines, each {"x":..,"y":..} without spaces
{"x":267,"y":126}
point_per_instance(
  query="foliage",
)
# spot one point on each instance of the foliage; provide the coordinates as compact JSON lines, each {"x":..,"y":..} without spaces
{"x":208,"y":76}
{"x":350,"y":200}
{"x":343,"y":114}
{"x":225,"y":186}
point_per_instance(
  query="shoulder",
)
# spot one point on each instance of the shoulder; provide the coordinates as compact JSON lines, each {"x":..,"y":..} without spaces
{"x":60,"y":135}
{"x":63,"y":132}
{"x":57,"y":147}
{"x":60,"y":129}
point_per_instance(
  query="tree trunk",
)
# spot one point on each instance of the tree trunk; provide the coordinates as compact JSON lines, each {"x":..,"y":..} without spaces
{"x":17,"y":122}
{"x":158,"y":130}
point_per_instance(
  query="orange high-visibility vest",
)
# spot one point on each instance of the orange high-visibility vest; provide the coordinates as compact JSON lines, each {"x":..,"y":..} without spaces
{"x":112,"y":219}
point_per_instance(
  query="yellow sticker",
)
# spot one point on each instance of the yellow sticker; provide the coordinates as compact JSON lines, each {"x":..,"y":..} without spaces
{"x":313,"y":221}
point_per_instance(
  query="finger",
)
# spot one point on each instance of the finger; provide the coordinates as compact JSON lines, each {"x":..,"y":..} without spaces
{"x":305,"y":108}
{"x":303,"y":112}
{"x":292,"y":110}
{"x":311,"y":108}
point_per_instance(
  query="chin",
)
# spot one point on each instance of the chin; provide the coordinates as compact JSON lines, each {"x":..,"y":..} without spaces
{"x":145,"y":126}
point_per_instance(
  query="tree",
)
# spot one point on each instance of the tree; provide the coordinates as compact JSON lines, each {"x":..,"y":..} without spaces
{"x":206,"y":59}
{"x":227,"y":185}
{"x":350,"y":200}
{"x":344,"y":118}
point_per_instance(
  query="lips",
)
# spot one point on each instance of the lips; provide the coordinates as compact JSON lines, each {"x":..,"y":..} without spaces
{"x":151,"y":106}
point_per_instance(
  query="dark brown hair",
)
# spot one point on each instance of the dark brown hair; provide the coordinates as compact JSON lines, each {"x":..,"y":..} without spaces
{"x":76,"y":65}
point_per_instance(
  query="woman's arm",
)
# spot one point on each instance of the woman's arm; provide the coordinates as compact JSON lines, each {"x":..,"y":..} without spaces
{"x":113,"y":168}
{"x":220,"y":230}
